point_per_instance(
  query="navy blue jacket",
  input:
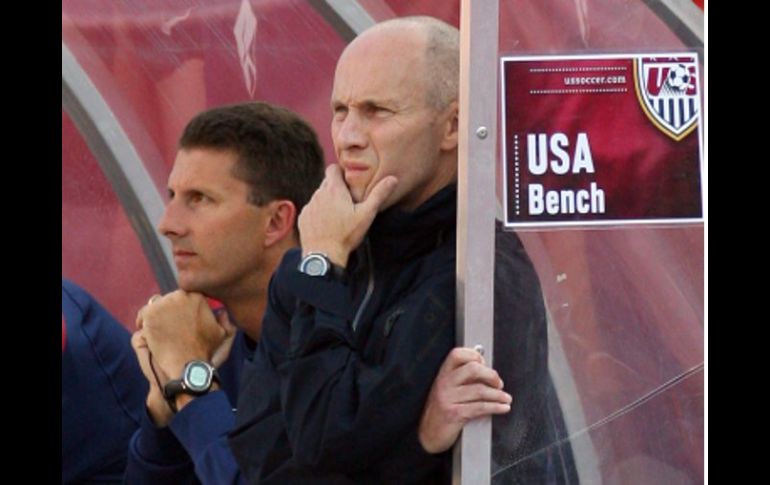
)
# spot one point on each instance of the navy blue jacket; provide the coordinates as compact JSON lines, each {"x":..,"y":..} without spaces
{"x":337,"y":386}
{"x":103,"y":390}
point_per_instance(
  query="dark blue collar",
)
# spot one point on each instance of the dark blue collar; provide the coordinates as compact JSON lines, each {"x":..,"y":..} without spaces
{"x":399,"y":235}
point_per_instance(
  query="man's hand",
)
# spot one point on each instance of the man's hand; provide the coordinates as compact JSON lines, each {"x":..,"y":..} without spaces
{"x":180,"y":327}
{"x":332,"y":223}
{"x":156,"y":404}
{"x":464,"y":389}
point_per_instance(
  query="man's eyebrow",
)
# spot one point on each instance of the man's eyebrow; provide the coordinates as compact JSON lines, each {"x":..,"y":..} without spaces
{"x":191,"y":190}
{"x":381,"y":101}
{"x":368,"y":103}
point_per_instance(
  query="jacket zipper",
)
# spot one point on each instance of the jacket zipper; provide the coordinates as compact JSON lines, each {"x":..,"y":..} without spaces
{"x":369,"y":286}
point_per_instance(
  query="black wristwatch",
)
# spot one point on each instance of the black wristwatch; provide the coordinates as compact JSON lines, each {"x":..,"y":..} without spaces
{"x":197,"y":377}
{"x":319,"y":265}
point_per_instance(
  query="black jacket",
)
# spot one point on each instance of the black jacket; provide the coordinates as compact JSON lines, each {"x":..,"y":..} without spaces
{"x":336,"y":389}
{"x":530,"y":444}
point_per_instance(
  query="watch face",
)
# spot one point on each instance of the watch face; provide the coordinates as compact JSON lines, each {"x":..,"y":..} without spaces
{"x":314,"y":265}
{"x":198,"y":376}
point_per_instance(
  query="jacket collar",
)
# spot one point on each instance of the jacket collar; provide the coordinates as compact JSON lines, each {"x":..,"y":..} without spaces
{"x":397,"y":235}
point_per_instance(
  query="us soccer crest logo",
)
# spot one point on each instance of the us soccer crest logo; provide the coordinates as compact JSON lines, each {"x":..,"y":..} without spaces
{"x":667,"y":88}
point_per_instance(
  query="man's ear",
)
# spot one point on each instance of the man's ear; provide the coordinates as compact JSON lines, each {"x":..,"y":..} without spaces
{"x":282,"y":215}
{"x":451,"y":127}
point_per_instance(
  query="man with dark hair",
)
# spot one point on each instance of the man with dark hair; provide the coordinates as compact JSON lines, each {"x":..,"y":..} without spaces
{"x":277,"y":151}
{"x":240,"y":177}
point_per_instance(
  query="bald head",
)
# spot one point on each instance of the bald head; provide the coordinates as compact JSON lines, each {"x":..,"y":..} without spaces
{"x":394,"y":104}
{"x":438,"y":45}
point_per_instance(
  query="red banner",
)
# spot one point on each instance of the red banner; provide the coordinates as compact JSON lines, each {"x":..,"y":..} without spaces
{"x":610,"y":139}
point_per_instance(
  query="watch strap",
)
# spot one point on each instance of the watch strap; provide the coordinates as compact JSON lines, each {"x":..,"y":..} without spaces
{"x":334,"y":271}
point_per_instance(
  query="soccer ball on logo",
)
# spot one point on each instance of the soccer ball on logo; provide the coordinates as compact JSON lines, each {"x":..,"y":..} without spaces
{"x":679,"y":78}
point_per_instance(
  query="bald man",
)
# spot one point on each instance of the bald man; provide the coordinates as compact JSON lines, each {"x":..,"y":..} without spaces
{"x":361,"y":316}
